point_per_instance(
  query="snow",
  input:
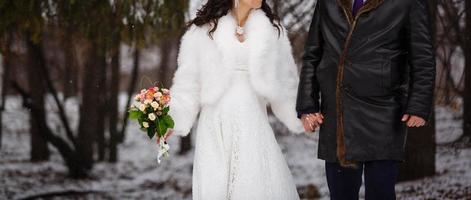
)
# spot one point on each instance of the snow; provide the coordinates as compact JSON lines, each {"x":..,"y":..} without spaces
{"x":138,"y":176}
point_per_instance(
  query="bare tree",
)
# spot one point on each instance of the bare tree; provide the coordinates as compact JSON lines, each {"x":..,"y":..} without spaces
{"x":296,"y":17}
{"x":453,"y":42}
{"x":39,"y":148}
{"x":70,"y":66}
{"x":113,"y":115}
{"x":90,"y":105}
{"x":467,"y":78}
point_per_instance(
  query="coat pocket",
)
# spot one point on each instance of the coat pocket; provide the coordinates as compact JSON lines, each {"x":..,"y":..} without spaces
{"x":386,"y":75}
{"x":394,"y":72}
{"x":368,"y":78}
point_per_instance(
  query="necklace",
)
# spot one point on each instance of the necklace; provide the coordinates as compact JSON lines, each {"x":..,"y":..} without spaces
{"x":240,"y":30}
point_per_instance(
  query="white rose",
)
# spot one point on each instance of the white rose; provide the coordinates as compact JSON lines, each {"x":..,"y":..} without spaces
{"x":137,"y":97}
{"x":147,"y":101}
{"x":142,"y":107}
{"x":152,"y":116}
{"x":145,"y":124}
{"x":154,"y":105}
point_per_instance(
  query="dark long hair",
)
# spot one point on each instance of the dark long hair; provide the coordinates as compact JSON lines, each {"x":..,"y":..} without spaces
{"x":215,"y":9}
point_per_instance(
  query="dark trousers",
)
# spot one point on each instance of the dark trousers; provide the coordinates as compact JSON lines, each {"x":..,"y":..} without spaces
{"x":345,"y":183}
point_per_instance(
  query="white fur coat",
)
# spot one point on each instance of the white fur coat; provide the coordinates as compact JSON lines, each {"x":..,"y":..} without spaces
{"x":203,"y":70}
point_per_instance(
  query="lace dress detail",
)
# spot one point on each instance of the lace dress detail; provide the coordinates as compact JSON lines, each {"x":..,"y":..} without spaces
{"x":241,"y":158}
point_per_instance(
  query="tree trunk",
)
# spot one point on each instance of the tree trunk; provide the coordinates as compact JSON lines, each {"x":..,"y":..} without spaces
{"x":90,"y":107}
{"x":420,"y":146}
{"x":71,"y":159}
{"x":168,"y":51}
{"x":70,"y":80}
{"x":114,"y":100}
{"x":102,"y":111}
{"x":467,"y":76}
{"x":420,"y":153}
{"x":39,"y":149}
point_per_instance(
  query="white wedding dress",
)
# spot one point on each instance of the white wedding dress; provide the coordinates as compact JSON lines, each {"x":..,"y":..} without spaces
{"x":237,"y":156}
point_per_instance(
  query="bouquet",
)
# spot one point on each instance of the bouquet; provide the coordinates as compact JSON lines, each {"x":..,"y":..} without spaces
{"x":151,"y":111}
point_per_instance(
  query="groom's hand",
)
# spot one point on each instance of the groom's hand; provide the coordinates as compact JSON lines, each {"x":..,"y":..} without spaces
{"x":312,"y":121}
{"x":413,"y":120}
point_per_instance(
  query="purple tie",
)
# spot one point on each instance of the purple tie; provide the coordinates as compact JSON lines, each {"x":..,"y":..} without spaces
{"x":356,"y":6}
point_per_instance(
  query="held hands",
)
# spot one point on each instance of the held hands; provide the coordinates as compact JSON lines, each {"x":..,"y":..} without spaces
{"x":413,"y":120}
{"x":311,"y":121}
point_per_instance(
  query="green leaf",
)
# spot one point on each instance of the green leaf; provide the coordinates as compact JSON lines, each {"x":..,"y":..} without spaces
{"x":150,"y":132}
{"x":165,"y":110}
{"x":161,"y":127}
{"x":139,"y":120}
{"x":168,"y":121}
{"x":134,"y":114}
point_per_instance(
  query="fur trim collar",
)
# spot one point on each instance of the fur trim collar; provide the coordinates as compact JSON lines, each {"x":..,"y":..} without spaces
{"x":346,"y":6}
{"x":259,"y":33}
{"x":261,"y":41}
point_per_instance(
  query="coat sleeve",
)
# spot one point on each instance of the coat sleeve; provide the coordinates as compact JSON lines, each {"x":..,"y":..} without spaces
{"x":308,"y":89}
{"x":185,"y":90}
{"x":284,"y":107}
{"x":421,"y":60}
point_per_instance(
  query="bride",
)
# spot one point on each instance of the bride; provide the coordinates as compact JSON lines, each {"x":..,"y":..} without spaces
{"x":234,"y":60}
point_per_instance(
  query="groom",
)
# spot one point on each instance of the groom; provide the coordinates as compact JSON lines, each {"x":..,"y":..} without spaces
{"x":368,"y":73}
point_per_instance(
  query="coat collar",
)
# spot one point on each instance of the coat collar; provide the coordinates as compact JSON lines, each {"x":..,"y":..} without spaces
{"x":260,"y":35}
{"x":346,"y":6}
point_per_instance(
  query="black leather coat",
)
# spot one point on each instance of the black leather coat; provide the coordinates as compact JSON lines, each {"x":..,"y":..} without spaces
{"x":363,"y":73}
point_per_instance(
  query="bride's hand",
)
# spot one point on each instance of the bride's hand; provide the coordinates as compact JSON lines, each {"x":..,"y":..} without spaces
{"x":309,"y":122}
{"x":312,"y":121}
{"x":166,"y":136}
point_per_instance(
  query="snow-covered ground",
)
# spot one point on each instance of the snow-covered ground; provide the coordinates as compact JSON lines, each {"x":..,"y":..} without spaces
{"x":138,"y":176}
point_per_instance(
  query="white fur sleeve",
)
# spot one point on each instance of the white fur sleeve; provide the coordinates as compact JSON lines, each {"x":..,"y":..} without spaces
{"x":185,"y":90}
{"x":284,"y":107}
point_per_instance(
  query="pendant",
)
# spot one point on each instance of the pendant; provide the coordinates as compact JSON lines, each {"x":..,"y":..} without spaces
{"x":240,"y":30}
